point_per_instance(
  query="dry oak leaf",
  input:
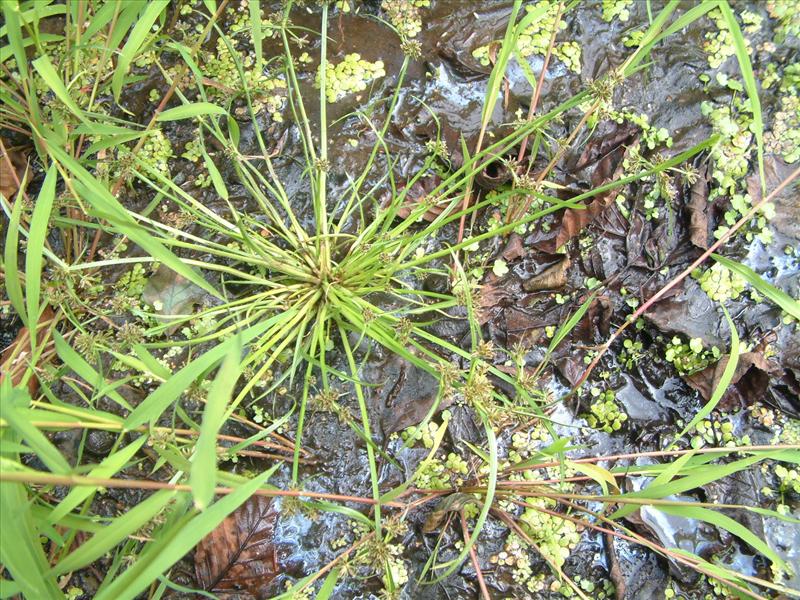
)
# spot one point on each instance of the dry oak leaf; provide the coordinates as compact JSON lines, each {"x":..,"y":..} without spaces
{"x":238,"y":560}
{"x":11,"y":178}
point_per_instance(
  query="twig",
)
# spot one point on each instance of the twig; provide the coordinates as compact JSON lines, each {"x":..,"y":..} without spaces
{"x":38,"y":477}
{"x":538,"y":91}
{"x":474,"y":557}
{"x":614,"y":569}
{"x":683,"y":274}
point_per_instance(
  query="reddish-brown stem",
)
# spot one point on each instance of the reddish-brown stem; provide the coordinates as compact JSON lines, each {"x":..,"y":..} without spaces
{"x":538,"y":91}
{"x":683,"y":274}
{"x":144,"y":484}
{"x":474,"y":557}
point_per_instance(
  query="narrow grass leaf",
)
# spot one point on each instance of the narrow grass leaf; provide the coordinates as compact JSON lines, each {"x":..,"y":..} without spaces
{"x":216,"y":177}
{"x":20,"y":551}
{"x":14,"y":401}
{"x":136,"y":38}
{"x":10,"y":258}
{"x":701,"y":478}
{"x":724,"y":522}
{"x":106,"y":538}
{"x":173,"y":543}
{"x":100,"y":198}
{"x":13,"y":32}
{"x":203,"y":475}
{"x":599,"y":474}
{"x":34,"y":253}
{"x":108,"y":467}
{"x":48,"y":73}
{"x":750,"y":85}
{"x":84,"y":370}
{"x":156,"y":403}
{"x":256,"y":32}
{"x":570,"y":324}
{"x":190,"y":111}
{"x":328,"y":586}
{"x":724,"y":382}
{"x":779,"y":297}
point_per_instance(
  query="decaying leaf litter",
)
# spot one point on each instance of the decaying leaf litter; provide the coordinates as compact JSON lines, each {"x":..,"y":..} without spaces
{"x":598,"y":261}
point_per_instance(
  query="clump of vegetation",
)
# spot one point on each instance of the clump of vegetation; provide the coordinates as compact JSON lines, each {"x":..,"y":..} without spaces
{"x":189,"y":308}
{"x":720,"y":283}
{"x":545,"y":17}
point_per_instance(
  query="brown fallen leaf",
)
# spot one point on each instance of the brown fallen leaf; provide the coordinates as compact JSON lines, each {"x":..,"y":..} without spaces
{"x":697,"y":208}
{"x":409,"y":398}
{"x":552,"y":278}
{"x":450,"y":503}
{"x":15,"y":358}
{"x":238,"y":559}
{"x":419,"y":192}
{"x":608,"y":153}
{"x":11,"y":178}
{"x":707,"y":380}
{"x":514,"y":248}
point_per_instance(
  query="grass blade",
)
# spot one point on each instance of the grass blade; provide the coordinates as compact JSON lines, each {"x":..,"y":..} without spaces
{"x":169,"y":391}
{"x":36,"y":238}
{"x":20,"y":551}
{"x":101,"y":199}
{"x":10,"y":258}
{"x":203,"y":475}
{"x":724,"y":522}
{"x":749,"y":84}
{"x":118,"y":530}
{"x":189,"y":111}
{"x":54,"y":83}
{"x":136,"y":38}
{"x":84,"y":370}
{"x":15,"y":398}
{"x":107,"y":468}
{"x":779,"y":297}
{"x":173,"y":544}
{"x":724,"y":382}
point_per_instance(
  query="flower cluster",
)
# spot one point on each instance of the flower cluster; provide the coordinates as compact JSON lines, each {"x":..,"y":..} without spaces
{"x":404,"y":15}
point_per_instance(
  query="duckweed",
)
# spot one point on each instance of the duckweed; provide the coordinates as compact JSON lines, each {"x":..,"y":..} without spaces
{"x":616,"y":9}
{"x":691,"y":357}
{"x":556,"y":537}
{"x":535,"y":39}
{"x":267,"y":93}
{"x":350,"y":76}
{"x":720,"y":283}
{"x":605,"y":413}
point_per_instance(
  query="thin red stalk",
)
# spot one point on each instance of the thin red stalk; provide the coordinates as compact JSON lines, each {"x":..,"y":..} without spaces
{"x":685,"y":273}
{"x":144,"y":484}
{"x":474,"y":557}
{"x":538,"y":91}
